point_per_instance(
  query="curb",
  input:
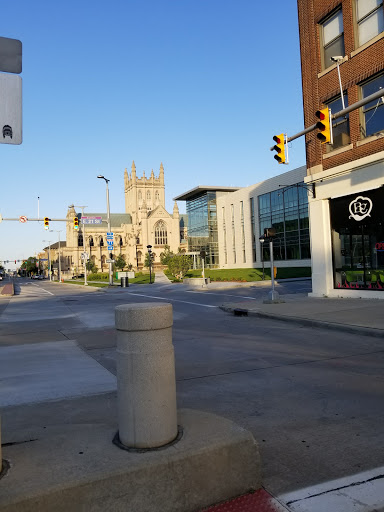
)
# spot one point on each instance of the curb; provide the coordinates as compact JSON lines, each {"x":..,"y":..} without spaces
{"x":307,"y":322}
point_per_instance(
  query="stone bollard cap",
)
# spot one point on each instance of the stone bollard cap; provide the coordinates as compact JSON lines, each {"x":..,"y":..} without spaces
{"x":146,"y":316}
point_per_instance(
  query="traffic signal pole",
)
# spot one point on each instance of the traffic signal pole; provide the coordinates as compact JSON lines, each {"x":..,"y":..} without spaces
{"x":375,"y":96}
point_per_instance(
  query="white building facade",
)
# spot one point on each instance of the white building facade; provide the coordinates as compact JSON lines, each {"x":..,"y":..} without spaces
{"x":280,"y":202}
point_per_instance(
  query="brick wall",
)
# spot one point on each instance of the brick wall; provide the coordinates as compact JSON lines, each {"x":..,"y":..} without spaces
{"x":359,"y":66}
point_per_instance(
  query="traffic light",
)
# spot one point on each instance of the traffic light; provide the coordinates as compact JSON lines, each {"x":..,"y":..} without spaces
{"x":324,"y":125}
{"x":46,"y":222}
{"x":280,"y":148}
{"x":76,"y":222}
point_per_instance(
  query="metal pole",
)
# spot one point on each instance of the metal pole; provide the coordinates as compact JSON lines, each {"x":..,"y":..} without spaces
{"x":376,"y":95}
{"x":109,"y":230}
{"x":84,"y":245}
{"x":49,"y":261}
{"x":59,"y":259}
{"x":262,"y":258}
{"x":341,"y":87}
{"x":272,"y":272}
{"x":150,"y":266}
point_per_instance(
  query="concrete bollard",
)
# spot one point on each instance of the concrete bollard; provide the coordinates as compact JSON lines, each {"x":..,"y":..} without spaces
{"x":146,"y":383}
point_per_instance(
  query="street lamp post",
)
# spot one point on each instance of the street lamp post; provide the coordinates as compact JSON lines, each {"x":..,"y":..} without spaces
{"x":149,"y":247}
{"x":109,"y":227}
{"x":137,"y":256}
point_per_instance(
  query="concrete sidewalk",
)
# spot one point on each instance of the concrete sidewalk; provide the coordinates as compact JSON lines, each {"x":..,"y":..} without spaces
{"x":364,"y":316}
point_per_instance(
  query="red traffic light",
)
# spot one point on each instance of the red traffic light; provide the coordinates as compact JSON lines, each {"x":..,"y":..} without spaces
{"x":278,"y":139}
{"x":320,"y":114}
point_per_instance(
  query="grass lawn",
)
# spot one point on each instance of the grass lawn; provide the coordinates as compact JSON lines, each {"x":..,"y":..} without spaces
{"x":140,"y":279}
{"x":250,"y":274}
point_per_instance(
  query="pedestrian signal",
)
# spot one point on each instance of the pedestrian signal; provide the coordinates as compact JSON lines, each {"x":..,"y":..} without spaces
{"x":324,"y":125}
{"x":280,"y":148}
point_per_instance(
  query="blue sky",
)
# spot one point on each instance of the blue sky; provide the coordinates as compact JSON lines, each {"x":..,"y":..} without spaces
{"x":201,"y":86}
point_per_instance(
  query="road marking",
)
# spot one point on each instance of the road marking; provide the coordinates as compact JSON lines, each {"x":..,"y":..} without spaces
{"x":360,"y":492}
{"x":43,"y":289}
{"x":172,"y":300}
{"x":223,"y":294}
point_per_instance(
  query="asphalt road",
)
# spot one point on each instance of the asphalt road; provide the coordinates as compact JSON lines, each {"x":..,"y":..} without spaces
{"x":312,"y":398}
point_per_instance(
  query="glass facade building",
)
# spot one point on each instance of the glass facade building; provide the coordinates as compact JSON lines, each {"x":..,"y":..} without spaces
{"x":286,"y":210}
{"x":202,"y":226}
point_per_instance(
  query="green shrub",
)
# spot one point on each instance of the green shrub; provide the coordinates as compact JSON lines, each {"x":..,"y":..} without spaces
{"x":103,"y":276}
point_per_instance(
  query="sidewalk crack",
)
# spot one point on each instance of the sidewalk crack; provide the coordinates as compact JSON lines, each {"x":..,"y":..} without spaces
{"x":354,"y":484}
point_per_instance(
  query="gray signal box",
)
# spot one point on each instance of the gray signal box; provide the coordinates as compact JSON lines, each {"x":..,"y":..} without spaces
{"x":10,"y":55}
{"x":10,"y":109}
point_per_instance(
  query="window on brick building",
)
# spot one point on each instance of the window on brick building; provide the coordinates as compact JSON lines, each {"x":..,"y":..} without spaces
{"x":372,"y":112}
{"x":340,"y":126}
{"x":332,"y":37}
{"x":370,"y":19}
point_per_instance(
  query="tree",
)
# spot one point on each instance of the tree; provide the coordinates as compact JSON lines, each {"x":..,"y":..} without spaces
{"x":179,"y":265}
{"x":29,"y":265}
{"x":91,"y":266}
{"x":120,"y":262}
{"x":149,"y":259}
{"x":166,"y":255}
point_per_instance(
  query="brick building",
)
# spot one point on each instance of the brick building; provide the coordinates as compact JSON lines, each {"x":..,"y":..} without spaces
{"x":345,"y":37}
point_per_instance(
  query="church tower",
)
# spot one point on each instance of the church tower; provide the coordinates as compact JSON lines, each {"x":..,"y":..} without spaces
{"x":143,"y":191}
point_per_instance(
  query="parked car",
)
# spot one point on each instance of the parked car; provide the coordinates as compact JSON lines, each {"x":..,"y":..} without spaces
{"x":79,"y":276}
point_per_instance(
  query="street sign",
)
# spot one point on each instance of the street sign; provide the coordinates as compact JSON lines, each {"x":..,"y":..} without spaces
{"x":10,"y":55}
{"x":23,"y":218}
{"x":91,"y":220}
{"x":110,"y":261}
{"x":109,"y":236}
{"x":10,"y":109}
{"x":43,"y":259}
{"x":84,"y":256}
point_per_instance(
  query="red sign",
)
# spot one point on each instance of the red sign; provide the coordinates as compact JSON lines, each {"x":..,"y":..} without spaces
{"x":379,"y":246}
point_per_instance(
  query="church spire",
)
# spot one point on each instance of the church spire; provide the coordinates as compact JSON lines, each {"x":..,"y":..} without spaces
{"x":133,"y":169}
{"x":175,"y":211}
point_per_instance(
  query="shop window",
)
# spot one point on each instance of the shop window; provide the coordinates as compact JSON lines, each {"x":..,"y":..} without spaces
{"x":332,"y":37}
{"x":370,"y":19}
{"x":372,"y":112}
{"x":340,"y":126}
{"x":358,"y":240}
